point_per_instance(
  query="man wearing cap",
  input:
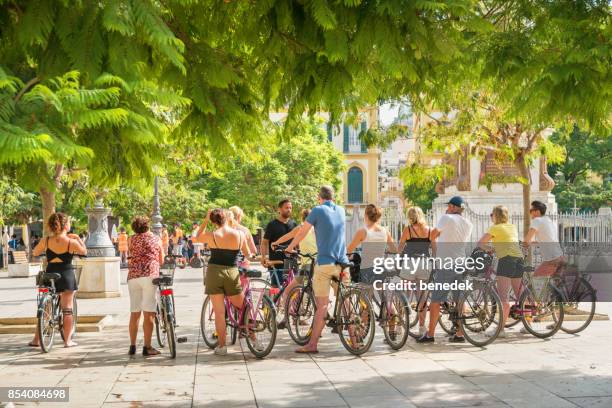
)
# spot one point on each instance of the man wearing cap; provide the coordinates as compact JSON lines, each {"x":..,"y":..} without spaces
{"x":453,"y":233}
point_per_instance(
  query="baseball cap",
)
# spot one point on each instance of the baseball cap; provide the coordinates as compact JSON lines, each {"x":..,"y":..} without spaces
{"x":457,"y":201}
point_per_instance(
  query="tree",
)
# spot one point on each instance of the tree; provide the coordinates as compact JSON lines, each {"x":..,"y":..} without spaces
{"x":16,"y":204}
{"x":583,"y":177}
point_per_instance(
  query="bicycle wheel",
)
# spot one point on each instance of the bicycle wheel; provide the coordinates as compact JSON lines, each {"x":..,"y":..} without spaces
{"x":45,"y":324}
{"x":196,"y":263}
{"x":207,"y":324}
{"x":542,"y":317}
{"x":260,"y":327}
{"x":74,"y":319}
{"x":169,"y":325}
{"x":580,"y":308}
{"x":514,"y":317}
{"x":479,"y":312}
{"x":444,"y":320}
{"x":415,"y":309}
{"x":355,"y":321}
{"x":159,"y":328}
{"x":300,"y":310}
{"x":395,"y":314}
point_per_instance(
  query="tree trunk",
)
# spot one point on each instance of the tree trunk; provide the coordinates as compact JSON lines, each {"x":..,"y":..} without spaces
{"x":47,"y":198}
{"x":524,"y":171}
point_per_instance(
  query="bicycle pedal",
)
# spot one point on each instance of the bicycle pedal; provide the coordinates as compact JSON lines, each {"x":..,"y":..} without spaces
{"x":182,"y":339}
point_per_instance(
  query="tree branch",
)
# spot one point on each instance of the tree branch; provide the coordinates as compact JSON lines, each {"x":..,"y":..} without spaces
{"x":25,"y":88}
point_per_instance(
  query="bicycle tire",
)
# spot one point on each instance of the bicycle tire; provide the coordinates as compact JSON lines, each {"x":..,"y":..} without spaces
{"x":414,"y":314}
{"x":512,"y":321}
{"x":445,"y":321}
{"x":159,"y":329}
{"x":211,"y":339}
{"x":74,"y":319}
{"x":196,"y":263}
{"x":483,"y":315}
{"x":590,"y":292}
{"x":298,"y":311}
{"x":400,"y":304}
{"x":268,"y":314}
{"x":169,"y":325}
{"x":43,"y":321}
{"x":525,"y":317}
{"x":343,"y":316}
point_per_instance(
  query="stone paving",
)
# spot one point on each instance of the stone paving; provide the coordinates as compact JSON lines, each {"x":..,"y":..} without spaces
{"x":520,"y":371}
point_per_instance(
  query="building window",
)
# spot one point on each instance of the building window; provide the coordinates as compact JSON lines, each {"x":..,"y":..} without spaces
{"x":355,"y":185}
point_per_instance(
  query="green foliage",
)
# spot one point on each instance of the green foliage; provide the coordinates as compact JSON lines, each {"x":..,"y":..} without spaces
{"x":420,"y":182}
{"x":16,"y":205}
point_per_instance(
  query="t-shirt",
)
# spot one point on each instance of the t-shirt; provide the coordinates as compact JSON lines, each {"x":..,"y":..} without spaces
{"x":505,"y":240}
{"x":546,"y":236}
{"x":329,"y":220}
{"x":455,"y":232}
{"x":274,"y":230}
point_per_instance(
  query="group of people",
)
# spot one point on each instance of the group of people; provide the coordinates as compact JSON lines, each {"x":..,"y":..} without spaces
{"x":322,"y":230}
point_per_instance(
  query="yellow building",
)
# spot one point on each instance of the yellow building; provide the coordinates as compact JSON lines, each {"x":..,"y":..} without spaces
{"x":360,"y":178}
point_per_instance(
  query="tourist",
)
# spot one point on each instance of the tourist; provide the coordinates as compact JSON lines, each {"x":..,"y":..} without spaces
{"x":177,"y":234}
{"x":416,"y":242}
{"x":122,"y":245}
{"x":275,"y":229}
{"x":165,"y":238}
{"x":374,"y":240}
{"x":509,"y":274}
{"x":222,"y":277}
{"x":146,"y":256}
{"x":59,"y":248}
{"x":307,"y":246}
{"x":452,"y":232}
{"x":328,"y":220}
{"x":237,"y":223}
{"x":544,"y":232}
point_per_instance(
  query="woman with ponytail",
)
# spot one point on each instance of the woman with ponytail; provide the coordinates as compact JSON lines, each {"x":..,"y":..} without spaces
{"x":59,"y":247}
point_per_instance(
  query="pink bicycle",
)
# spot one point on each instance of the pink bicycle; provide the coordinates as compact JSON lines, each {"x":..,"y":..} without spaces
{"x":256,"y":320}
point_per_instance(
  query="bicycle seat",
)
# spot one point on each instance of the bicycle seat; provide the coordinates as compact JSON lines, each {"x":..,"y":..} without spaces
{"x":51,"y":276}
{"x":163,"y":280}
{"x":251,"y":273}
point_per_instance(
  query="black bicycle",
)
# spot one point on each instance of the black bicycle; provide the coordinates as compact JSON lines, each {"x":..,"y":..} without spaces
{"x":49,"y":317}
{"x":353,"y":315}
{"x":165,"y":316}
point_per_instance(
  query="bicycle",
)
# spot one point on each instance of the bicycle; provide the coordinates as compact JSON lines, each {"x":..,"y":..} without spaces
{"x":49,"y":317}
{"x":165,"y":316}
{"x":256,"y":316}
{"x":353,"y":315}
{"x":393,"y":311}
{"x":577,"y":291}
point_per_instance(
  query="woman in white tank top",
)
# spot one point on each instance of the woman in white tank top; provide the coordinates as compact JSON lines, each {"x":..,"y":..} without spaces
{"x":374,"y":240}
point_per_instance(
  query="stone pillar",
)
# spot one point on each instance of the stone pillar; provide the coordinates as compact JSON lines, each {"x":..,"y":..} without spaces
{"x":101,"y":273}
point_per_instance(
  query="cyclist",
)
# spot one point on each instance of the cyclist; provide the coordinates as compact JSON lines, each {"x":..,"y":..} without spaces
{"x":146,"y":257}
{"x":543,"y":231}
{"x":60,"y":247}
{"x":416,"y":242}
{"x":222,"y":277}
{"x":504,"y":237}
{"x":307,"y":246}
{"x":374,"y":241}
{"x":236,"y":223}
{"x":275,"y":229}
{"x":328,"y":220}
{"x":452,"y":232}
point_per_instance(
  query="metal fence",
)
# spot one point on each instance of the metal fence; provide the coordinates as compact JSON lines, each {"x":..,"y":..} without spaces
{"x":573,"y":227}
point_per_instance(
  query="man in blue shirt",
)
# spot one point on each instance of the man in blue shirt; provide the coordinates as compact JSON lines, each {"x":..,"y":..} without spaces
{"x":328,"y":220}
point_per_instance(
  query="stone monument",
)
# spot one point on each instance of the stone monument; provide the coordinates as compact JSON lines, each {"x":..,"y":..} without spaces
{"x":101,"y":273}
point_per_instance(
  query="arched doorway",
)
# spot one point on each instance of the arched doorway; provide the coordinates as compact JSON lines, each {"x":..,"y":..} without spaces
{"x":355,"y":185}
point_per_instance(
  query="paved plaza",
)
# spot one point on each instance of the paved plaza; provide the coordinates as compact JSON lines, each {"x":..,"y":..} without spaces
{"x":520,"y":371}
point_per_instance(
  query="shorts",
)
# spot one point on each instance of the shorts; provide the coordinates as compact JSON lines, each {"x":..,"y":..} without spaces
{"x":143,"y":294}
{"x":322,"y":279}
{"x":222,"y":280}
{"x":549,"y":268}
{"x":510,"y":267}
{"x":67,"y":282}
{"x":444,"y":276}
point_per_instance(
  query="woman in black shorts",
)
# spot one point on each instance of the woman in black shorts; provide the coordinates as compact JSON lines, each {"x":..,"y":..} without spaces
{"x":59,"y":247}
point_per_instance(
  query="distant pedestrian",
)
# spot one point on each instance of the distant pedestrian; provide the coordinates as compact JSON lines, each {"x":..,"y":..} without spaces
{"x":122,"y":244}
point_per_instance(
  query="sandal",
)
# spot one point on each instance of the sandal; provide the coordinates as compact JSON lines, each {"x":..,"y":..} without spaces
{"x":150,"y":352}
{"x":32,"y":344}
{"x":306,"y":351}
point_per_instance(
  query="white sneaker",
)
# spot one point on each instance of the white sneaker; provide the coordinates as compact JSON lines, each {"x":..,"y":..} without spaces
{"x":422,"y":330}
{"x":221,"y":351}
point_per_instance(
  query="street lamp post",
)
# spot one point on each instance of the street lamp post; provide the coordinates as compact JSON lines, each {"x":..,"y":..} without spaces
{"x":156,"y":227}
